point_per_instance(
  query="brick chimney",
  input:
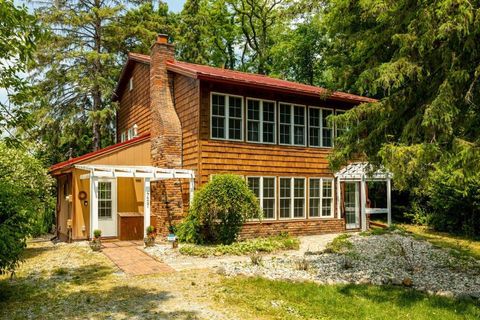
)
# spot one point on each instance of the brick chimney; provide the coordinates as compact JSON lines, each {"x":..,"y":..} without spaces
{"x":165,"y":136}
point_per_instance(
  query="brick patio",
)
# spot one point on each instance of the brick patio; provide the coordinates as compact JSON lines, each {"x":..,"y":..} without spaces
{"x":129,"y":257}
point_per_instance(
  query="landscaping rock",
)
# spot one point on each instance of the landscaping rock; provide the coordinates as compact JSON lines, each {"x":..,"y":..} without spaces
{"x":407,"y":282}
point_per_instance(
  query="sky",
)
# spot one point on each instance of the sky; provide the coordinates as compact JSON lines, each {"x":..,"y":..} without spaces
{"x":173,"y":5}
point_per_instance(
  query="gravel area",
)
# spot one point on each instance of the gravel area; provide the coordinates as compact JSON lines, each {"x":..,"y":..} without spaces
{"x":389,"y":259}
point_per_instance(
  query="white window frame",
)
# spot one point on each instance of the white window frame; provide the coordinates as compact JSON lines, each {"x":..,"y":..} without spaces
{"x":227,"y":116}
{"x":292,"y":124}
{"x":261,"y":121}
{"x":261,"y":198}
{"x":123,"y":136}
{"x":130,"y":84}
{"x":332,"y":206}
{"x":293,"y":198}
{"x":320,"y":109}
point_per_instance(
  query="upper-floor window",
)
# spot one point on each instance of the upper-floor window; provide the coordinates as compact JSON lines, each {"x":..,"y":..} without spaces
{"x":227,"y":117}
{"x":340,"y":129}
{"x":320,"y":131}
{"x":132,"y":132}
{"x":292,"y":124}
{"x":261,"y":122}
{"x":123,"y":136}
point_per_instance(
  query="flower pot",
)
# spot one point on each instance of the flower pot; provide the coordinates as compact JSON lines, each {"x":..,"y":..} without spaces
{"x":149,"y":241}
{"x":96,"y":244}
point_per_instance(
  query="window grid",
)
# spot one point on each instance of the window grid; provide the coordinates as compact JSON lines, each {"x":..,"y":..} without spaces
{"x":226,"y":119}
{"x":104,"y":200}
{"x":321,"y":198}
{"x":292,"y":124}
{"x":261,"y":123}
{"x":265,"y":190}
{"x":292,"y":198}
{"x":327,"y":130}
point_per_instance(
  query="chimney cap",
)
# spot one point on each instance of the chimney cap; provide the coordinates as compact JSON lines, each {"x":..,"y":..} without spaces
{"x":162,"y":38}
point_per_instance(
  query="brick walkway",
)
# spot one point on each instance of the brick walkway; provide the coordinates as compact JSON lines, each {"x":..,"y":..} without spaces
{"x":133,"y":261}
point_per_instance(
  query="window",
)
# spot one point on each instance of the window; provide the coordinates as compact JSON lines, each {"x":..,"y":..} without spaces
{"x":320,"y":133}
{"x":123,"y":136}
{"x":327,"y":131}
{"x":292,"y":124}
{"x":321,"y":197}
{"x":130,"y":84}
{"x":226,"y":117}
{"x":132,"y":132}
{"x":264,"y":189}
{"x":292,"y":198}
{"x":339,"y":129}
{"x":104,"y":200}
{"x":260,"y":121}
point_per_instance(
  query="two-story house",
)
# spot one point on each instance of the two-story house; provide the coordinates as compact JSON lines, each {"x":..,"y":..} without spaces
{"x":180,"y":123}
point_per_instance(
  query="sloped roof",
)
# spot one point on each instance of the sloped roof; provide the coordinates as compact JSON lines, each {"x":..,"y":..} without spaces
{"x":251,"y":79}
{"x":101,"y":152}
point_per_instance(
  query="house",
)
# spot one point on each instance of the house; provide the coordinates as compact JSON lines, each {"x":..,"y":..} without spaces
{"x":180,"y":123}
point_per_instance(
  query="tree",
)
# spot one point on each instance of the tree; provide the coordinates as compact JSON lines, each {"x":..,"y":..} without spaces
{"x":25,"y":200}
{"x":422,"y":60}
{"x":192,"y":44}
{"x":19,"y":33}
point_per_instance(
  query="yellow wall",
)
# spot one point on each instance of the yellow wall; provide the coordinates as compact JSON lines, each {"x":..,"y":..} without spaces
{"x":129,"y":190}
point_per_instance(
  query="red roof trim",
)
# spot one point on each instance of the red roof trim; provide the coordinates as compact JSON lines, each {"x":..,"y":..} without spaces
{"x":101,"y":152}
{"x":232,"y":76}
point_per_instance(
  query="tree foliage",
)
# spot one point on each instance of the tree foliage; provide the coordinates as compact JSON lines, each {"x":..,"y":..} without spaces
{"x":25,"y":203}
{"x":219,"y":210}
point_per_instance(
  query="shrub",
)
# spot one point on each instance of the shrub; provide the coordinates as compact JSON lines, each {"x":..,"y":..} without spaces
{"x":256,"y":259}
{"x":97,"y":233}
{"x":150,"y":229}
{"x":340,"y":244}
{"x":25,"y":201}
{"x":219,"y":210}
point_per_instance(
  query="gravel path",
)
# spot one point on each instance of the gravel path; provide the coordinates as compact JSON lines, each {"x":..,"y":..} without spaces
{"x":393,"y":259}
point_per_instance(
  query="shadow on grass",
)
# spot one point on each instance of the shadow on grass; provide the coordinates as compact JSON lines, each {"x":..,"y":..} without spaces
{"x":84,"y":292}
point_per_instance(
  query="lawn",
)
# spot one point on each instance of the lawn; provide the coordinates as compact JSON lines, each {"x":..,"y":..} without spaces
{"x":258,"y":298}
{"x":461,"y":244}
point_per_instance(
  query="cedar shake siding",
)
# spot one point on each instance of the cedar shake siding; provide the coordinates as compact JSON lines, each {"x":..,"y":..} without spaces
{"x":134,"y":105}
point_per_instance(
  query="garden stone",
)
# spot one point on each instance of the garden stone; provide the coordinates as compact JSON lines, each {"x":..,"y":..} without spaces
{"x":407,"y":282}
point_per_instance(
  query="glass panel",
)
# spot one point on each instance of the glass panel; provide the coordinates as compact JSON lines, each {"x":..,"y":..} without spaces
{"x":299,"y":190}
{"x":314,"y":188}
{"x":327,"y":131}
{"x":285,"y":188}
{"x":269,"y":187}
{"x":327,"y":188}
{"x":285,"y":124}
{"x":253,"y":110}
{"x":268,"y":111}
{"x":218,"y":105}
{"x":269,"y":208}
{"x":314,"y":207}
{"x":268,"y":132}
{"x":298,"y":208}
{"x":253,"y":131}
{"x":235,"y":129}
{"x":235,"y":107}
{"x":299,"y":115}
{"x":285,"y":208}
{"x":299,"y":135}
{"x":218,"y":127}
{"x":285,"y":197}
{"x":254,"y":185}
{"x":326,"y":207}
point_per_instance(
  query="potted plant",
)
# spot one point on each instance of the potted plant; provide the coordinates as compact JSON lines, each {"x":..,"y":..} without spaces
{"x":151,"y":235}
{"x":96,"y":243}
{"x":172,"y":237}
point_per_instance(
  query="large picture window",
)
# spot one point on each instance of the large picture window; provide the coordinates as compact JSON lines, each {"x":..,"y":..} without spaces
{"x":321,"y":197}
{"x":226,"y":117}
{"x":292,"y":124}
{"x":264,"y":189}
{"x":261,"y":121}
{"x":292,"y":198}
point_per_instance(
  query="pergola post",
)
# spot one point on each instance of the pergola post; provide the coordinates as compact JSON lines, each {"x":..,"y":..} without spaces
{"x":339,"y":214}
{"x":146,"y":205}
{"x":191,"y":189}
{"x":363,"y":203}
{"x":389,"y":201}
{"x":93,"y":204}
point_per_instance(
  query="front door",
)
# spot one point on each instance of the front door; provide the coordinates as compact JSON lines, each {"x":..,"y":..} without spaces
{"x":352,"y":207}
{"x":107,"y":207}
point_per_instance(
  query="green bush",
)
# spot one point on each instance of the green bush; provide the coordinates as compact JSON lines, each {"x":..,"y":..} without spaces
{"x":25,"y":201}
{"x":150,"y":229}
{"x":257,"y":245}
{"x":219,"y":210}
{"x":97,"y":233}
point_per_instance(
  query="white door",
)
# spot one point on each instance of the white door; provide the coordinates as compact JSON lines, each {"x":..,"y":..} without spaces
{"x":107,"y":207}
{"x":352,"y":207}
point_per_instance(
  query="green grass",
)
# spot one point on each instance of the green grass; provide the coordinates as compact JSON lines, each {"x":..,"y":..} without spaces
{"x":259,"y":298}
{"x":269,"y":244}
{"x":340,"y":244}
{"x":459,"y":245}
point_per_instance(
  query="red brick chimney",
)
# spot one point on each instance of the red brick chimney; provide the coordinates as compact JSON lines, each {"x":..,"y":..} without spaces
{"x":165,"y":136}
{"x":166,"y":131}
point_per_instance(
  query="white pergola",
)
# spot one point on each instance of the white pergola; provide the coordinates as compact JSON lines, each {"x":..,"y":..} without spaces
{"x":363,"y":172}
{"x":147,"y":173}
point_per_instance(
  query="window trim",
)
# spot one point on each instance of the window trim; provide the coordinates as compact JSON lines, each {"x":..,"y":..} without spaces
{"x":227,"y":116}
{"x":260,"y":199}
{"x":321,"y":127}
{"x":275,"y":123}
{"x":292,"y":124}
{"x":332,"y":213}
{"x":292,"y":198}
